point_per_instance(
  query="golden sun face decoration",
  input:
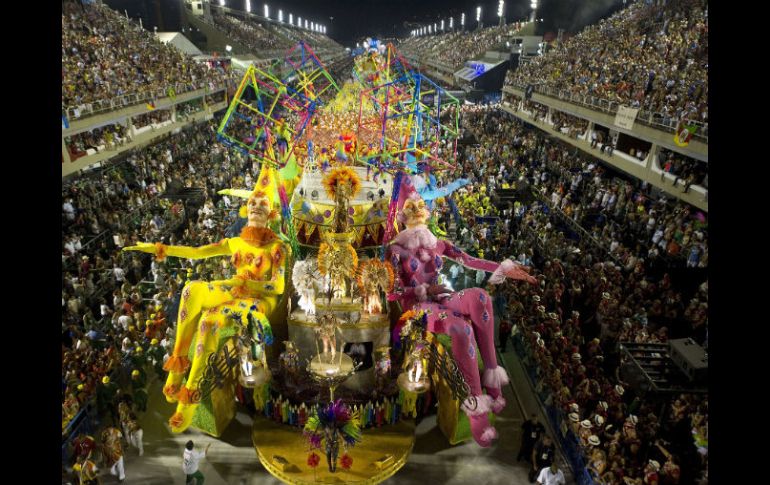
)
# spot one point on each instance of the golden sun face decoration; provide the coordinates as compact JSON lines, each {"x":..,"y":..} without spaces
{"x":341,"y":176}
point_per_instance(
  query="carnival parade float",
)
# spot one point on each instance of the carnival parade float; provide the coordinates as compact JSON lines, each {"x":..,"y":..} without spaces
{"x":336,"y":321}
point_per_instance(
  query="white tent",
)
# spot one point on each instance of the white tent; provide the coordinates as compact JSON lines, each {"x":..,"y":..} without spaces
{"x":179,"y":41}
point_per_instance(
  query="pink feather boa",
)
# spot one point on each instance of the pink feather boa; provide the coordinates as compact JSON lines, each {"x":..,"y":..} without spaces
{"x":417,"y":237}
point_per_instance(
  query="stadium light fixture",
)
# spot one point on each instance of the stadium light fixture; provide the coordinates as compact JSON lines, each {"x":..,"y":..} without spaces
{"x":222,"y":3}
{"x":267,"y":12}
{"x":500,"y":7}
{"x":462,"y":20}
{"x":451,"y":22}
{"x":442,"y":25}
{"x":299,"y":22}
{"x":280,"y":15}
{"x":435,"y":27}
{"x":291,"y":19}
{"x":306,"y":25}
{"x":478,"y":14}
{"x":429,"y":31}
{"x":248,"y":6}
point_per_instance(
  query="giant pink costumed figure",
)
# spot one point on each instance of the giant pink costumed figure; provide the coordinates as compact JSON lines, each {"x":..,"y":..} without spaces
{"x":466,"y":316}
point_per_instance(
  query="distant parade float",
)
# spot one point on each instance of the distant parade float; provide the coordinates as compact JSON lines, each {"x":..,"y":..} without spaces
{"x":336,"y":262}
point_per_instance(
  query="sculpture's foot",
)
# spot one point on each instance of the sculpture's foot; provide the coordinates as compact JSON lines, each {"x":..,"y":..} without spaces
{"x":482,"y":432}
{"x":173,"y":386}
{"x":494,"y":379}
{"x":182,"y":418}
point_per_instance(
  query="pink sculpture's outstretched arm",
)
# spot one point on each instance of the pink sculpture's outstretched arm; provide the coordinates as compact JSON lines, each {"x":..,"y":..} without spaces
{"x":500,"y":271}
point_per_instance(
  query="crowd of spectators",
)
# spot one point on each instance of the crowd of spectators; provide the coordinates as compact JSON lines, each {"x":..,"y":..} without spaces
{"x":318,"y":42}
{"x":624,"y":217}
{"x":105,"y":56}
{"x":454,"y":48}
{"x":154,"y":117}
{"x":568,"y":327}
{"x":114,"y":311}
{"x":249,"y":33}
{"x":652,"y":55}
{"x":103,"y":138}
{"x":687,"y":170}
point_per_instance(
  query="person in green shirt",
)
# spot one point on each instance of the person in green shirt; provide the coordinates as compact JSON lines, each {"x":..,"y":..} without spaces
{"x":138,"y":381}
{"x":106,"y":393}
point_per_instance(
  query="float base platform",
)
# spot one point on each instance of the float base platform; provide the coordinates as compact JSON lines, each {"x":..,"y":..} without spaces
{"x":283,"y":451}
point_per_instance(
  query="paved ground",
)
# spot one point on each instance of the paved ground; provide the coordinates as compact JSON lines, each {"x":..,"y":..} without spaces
{"x":232,"y":459}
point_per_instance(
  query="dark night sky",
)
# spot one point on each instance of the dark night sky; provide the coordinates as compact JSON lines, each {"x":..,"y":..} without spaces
{"x":355,"y":19}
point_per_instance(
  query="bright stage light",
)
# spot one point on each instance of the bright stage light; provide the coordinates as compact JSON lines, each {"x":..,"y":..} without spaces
{"x":462,"y":20}
{"x":478,"y":14}
{"x":248,"y":6}
{"x":267,"y":12}
{"x":442,"y":25}
{"x":280,"y":15}
{"x":291,"y":19}
{"x":500,"y":7}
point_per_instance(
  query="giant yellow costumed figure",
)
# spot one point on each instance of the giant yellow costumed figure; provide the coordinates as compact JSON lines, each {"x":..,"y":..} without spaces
{"x":259,"y":258}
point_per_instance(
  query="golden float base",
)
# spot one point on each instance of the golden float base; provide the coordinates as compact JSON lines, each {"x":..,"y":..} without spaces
{"x":283,"y":451}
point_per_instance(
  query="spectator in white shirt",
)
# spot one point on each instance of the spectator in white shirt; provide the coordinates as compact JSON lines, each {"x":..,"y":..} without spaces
{"x":69,"y":210}
{"x":120,"y":274}
{"x":124,"y":321}
{"x":551,"y":476}
{"x":191,"y":463}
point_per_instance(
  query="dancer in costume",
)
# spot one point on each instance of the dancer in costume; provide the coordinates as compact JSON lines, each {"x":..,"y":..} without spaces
{"x":259,"y":257}
{"x":466,"y":316}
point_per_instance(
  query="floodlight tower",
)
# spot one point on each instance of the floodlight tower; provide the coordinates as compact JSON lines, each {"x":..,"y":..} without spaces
{"x":501,"y":12}
{"x":479,"y":24}
{"x":462,"y":21}
{"x":533,"y":6}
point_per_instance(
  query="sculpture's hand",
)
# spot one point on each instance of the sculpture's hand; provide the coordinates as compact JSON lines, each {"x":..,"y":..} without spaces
{"x":510,"y":269}
{"x":143,"y":247}
{"x":435,"y":290}
{"x":521,"y":272}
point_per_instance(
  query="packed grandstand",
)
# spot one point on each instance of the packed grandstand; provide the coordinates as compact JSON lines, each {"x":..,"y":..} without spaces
{"x":620,"y":256}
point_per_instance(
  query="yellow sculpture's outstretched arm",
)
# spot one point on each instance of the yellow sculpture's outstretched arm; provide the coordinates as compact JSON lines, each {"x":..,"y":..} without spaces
{"x":161,"y":251}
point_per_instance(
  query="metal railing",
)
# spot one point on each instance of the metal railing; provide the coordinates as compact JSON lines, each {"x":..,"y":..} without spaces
{"x":84,"y":110}
{"x":649,"y":118}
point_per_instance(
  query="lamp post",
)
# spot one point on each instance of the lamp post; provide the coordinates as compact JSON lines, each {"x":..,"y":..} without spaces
{"x":533,"y":6}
